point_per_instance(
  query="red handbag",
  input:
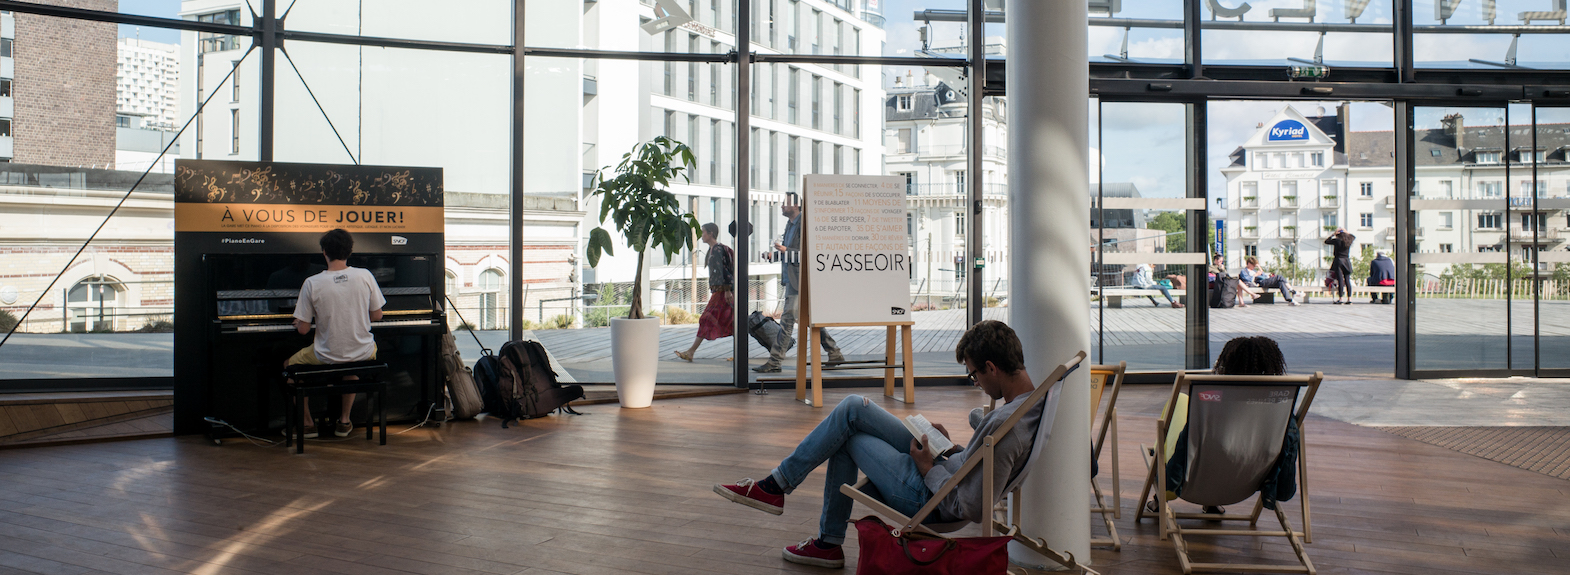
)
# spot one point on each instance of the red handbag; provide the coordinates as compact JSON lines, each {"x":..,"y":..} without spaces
{"x":918,"y":554}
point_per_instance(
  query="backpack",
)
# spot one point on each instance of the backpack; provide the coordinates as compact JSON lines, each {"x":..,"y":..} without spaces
{"x":487,"y":377}
{"x":527,"y":385}
{"x":461,"y":389}
{"x":1225,"y":294}
{"x":766,"y":331}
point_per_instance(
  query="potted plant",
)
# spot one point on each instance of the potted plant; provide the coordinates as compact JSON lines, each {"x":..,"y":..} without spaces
{"x":637,"y":200}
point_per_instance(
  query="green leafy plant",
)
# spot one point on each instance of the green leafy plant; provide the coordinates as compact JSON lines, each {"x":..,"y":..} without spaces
{"x":637,"y":200}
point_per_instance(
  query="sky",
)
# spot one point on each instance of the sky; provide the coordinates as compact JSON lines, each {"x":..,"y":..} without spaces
{"x":159,"y":8}
{"x":1150,"y":136}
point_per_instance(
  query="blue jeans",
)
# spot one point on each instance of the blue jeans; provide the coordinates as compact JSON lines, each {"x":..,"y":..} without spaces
{"x":856,"y":436}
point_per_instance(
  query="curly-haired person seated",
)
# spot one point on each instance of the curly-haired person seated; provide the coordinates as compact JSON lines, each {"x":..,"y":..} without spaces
{"x":859,"y":436}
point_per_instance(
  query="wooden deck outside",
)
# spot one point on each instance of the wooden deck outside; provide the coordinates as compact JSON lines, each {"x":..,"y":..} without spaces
{"x":620,"y":491}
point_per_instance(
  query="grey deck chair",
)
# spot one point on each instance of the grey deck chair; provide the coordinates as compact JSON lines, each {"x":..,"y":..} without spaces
{"x":1044,"y":398}
{"x":1236,"y":426}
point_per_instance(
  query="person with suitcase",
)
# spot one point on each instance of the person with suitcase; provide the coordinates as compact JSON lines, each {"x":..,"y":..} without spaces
{"x":789,"y":251}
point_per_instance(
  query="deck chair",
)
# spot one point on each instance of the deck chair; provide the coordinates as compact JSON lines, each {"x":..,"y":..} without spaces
{"x":1236,"y":427}
{"x":1101,"y":377}
{"x":1045,"y":399}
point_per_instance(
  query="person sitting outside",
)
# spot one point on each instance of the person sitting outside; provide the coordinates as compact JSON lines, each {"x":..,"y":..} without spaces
{"x":858,"y":435}
{"x":1381,"y":272}
{"x":1142,"y":279}
{"x":342,"y":301}
{"x":1252,"y":275}
{"x":718,"y":320}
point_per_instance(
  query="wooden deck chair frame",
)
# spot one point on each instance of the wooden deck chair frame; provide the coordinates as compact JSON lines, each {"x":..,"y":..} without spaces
{"x":1112,"y":377}
{"x":1167,"y":518}
{"x":904,"y":524}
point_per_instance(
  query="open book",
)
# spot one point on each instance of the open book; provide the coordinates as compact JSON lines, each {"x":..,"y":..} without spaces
{"x":918,"y":426}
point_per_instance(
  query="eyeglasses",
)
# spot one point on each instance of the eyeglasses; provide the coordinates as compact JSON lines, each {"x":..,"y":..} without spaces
{"x":972,"y":375}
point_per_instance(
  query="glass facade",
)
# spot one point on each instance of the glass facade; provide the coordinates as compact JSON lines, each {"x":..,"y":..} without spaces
{"x":834,"y":87}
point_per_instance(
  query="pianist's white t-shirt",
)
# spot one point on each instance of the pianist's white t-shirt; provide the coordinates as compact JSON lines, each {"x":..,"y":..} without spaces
{"x":340,"y":303}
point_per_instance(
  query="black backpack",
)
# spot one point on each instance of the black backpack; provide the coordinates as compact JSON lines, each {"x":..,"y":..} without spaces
{"x":527,"y":385}
{"x":1224,"y":295}
{"x":487,"y":374}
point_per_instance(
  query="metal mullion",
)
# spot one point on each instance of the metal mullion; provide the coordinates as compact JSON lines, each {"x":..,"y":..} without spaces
{"x":515,"y":205}
{"x":743,"y":282}
{"x":118,"y":18}
{"x":1537,"y":248}
{"x":266,"y":27}
{"x":326,"y":38}
{"x":1197,"y":332}
{"x":1193,"y":39}
{"x":1406,"y":318}
{"x":629,"y":55}
{"x":1101,"y":244}
{"x":1509,"y":267}
{"x":860,"y":60}
{"x":976,"y":127}
{"x":1402,"y":42}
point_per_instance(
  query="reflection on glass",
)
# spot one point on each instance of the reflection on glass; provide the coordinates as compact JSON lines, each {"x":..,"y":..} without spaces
{"x":1553,"y":254}
{"x":1299,"y":32}
{"x":1460,"y":214}
{"x":1138,"y":233}
{"x":1490,"y":34}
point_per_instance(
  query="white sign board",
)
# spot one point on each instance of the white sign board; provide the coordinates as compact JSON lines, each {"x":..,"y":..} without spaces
{"x":856,"y":253}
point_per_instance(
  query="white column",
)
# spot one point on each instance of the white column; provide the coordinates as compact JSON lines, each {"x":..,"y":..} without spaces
{"x":1048,"y":83}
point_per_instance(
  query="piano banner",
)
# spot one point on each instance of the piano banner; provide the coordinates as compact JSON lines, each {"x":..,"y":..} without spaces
{"x":220,"y":196}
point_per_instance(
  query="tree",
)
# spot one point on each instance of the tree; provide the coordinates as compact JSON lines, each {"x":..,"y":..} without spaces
{"x":647,"y":213}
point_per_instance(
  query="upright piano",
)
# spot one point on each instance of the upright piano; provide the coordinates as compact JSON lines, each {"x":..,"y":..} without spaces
{"x":246,"y":238}
{"x":251,"y":331}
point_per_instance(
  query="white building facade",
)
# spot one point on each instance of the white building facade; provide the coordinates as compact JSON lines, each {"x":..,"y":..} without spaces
{"x":1290,"y":184}
{"x":147,"y":84}
{"x":925,"y":138}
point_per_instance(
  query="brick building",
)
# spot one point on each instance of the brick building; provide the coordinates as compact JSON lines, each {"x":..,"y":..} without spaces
{"x":64,"y":88}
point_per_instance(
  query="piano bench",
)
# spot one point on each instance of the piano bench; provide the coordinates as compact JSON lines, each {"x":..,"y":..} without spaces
{"x":327,"y":380}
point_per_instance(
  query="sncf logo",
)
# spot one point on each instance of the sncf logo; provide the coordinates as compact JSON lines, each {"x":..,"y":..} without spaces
{"x":1210,"y":395}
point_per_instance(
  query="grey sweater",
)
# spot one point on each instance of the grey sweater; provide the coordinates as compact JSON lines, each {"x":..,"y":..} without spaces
{"x":1011,"y":451}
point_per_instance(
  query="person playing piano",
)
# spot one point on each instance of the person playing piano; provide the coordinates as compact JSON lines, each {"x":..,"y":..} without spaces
{"x":342,"y":301}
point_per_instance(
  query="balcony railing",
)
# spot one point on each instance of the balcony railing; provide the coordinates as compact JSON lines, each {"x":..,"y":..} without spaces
{"x":1288,"y":202}
{"x":1249,"y":202}
{"x":1329,"y":201}
{"x":1289,"y":232}
{"x":1249,"y":232}
{"x":1526,"y":234}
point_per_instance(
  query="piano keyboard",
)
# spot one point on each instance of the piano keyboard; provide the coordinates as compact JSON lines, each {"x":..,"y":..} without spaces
{"x":290,"y":327}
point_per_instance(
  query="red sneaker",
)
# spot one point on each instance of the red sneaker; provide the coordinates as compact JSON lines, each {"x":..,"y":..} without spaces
{"x":746,"y":492}
{"x":808,"y":553}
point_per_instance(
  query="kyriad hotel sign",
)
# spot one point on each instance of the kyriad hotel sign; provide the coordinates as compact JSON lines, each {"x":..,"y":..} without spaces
{"x":1288,"y":131}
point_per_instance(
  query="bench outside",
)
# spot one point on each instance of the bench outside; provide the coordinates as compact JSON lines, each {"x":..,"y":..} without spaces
{"x":1114,"y":296}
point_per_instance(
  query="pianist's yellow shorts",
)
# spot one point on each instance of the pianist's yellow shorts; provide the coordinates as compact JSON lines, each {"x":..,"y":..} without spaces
{"x":307,"y":356}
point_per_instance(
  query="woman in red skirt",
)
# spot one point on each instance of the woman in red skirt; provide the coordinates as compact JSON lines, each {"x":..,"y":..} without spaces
{"x":718,"y":320}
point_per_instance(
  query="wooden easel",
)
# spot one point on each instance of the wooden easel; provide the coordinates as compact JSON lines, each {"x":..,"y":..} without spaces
{"x":808,"y":332}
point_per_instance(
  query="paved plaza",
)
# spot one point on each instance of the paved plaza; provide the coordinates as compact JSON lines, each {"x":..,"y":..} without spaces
{"x":1345,"y":342}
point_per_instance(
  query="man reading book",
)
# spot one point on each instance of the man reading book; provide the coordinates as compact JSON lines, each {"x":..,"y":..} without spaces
{"x":858,"y":436}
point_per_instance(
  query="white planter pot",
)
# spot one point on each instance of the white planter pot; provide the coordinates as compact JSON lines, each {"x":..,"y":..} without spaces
{"x":635,"y":352}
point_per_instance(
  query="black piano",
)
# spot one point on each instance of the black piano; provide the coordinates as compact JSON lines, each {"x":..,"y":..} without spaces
{"x":245,"y":239}
{"x":251,"y":331}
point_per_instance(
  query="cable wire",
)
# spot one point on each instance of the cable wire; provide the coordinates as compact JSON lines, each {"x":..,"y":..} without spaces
{"x":127,"y":196}
{"x":319,"y":107}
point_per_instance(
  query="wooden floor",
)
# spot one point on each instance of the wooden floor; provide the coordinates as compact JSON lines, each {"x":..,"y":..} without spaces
{"x":620,"y":491}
